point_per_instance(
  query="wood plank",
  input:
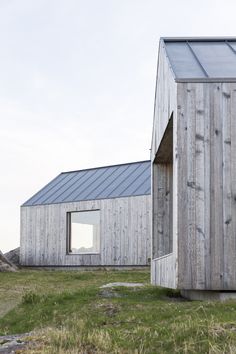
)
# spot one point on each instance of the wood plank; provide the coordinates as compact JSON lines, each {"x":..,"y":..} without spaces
{"x":227,"y":196}
{"x":232,"y":242}
{"x":191,"y":182}
{"x":207,"y":185}
{"x":217,"y":245}
{"x":163,"y":270}
{"x":200,"y":185}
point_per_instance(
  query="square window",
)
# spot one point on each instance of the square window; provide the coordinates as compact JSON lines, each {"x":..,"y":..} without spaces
{"x":84,"y":232}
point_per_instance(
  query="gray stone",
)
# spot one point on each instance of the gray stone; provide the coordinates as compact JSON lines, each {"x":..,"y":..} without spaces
{"x":6,"y":265}
{"x":13,"y":256}
{"x":128,"y":285}
{"x":10,"y":343}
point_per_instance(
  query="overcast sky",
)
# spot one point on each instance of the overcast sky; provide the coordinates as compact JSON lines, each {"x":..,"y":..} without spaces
{"x":77,"y":80}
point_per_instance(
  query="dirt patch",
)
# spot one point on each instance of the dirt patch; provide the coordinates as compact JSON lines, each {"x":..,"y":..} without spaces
{"x":109,"y":309}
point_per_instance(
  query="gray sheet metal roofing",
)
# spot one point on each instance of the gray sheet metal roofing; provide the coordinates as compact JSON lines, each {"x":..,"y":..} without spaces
{"x":202,"y":59}
{"x":130,"y":179}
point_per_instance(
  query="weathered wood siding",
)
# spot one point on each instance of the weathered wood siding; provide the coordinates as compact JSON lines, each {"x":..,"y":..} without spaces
{"x":125,"y":226}
{"x":163,"y":216}
{"x":164,"y":177}
{"x":163,"y":271}
{"x":207,"y":185}
{"x":165,"y":100}
{"x":204,"y":182}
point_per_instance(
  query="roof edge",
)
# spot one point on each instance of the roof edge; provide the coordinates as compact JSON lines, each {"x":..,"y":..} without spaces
{"x":97,"y":168}
{"x":162,"y":42}
{"x":87,"y":200}
{"x":198,"y":39}
{"x":206,"y":80}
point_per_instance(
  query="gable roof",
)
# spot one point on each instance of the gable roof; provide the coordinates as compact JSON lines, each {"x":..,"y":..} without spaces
{"x":202,"y":59}
{"x":130,"y":179}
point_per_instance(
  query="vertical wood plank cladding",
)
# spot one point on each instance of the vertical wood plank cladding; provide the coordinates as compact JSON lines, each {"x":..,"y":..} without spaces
{"x":31,"y":238}
{"x":206,"y":115}
{"x":217,"y":245}
{"x":200,"y":187}
{"x":229,"y":247}
{"x":194,"y":186}
{"x":231,"y":259}
{"x":165,"y":99}
{"x":204,"y":182}
{"x":175,"y":197}
{"x":165,"y":105}
{"x":148,"y":224}
{"x":184,"y":253}
{"x":23,"y":235}
{"x":124,"y":224}
{"x":154,"y":240}
{"x":163,"y":271}
{"x":134,"y":226}
{"x":206,"y":186}
{"x":162,"y":231}
{"x":191,"y":181}
{"x":127,"y":241}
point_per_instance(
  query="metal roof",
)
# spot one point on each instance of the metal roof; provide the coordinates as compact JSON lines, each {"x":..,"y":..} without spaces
{"x":202,"y":59}
{"x":130,"y":179}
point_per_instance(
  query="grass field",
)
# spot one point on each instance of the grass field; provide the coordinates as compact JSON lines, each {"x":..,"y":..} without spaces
{"x":69,"y":313}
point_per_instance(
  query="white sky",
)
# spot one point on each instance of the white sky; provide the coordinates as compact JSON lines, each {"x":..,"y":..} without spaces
{"x":77,"y":84}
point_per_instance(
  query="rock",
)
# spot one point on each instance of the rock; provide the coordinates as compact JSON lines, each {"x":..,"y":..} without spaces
{"x":109,"y":293}
{"x":13,"y":256}
{"x":128,"y":285}
{"x":13,"y":343}
{"x":5,"y":265}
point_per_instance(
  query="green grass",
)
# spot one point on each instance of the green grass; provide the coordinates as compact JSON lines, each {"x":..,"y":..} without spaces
{"x":70,"y":314}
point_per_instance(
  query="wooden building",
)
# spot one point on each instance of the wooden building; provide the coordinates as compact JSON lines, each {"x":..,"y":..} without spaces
{"x":194,"y":165}
{"x":93,"y":217}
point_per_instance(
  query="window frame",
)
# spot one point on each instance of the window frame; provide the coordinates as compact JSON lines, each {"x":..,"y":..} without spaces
{"x":69,"y":238}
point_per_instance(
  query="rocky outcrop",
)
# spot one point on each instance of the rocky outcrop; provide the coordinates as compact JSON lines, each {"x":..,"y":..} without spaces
{"x":5,"y":265}
{"x":13,"y":256}
{"x":14,"y":343}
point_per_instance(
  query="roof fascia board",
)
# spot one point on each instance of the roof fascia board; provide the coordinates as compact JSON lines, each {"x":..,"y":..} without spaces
{"x":197,"y":39}
{"x":206,"y":80}
{"x":155,"y":95}
{"x":161,"y":44}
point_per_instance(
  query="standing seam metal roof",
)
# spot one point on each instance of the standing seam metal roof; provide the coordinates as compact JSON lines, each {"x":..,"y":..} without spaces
{"x":131,"y":179}
{"x":203,"y":59}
